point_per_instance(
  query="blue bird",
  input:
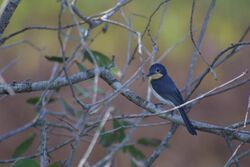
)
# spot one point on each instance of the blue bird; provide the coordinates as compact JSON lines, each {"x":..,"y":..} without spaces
{"x":165,"y":90}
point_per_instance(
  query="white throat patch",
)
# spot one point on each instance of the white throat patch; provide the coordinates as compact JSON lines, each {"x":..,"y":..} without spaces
{"x":156,"y":76}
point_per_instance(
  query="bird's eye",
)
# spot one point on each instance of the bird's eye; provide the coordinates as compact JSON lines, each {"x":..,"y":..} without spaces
{"x":158,"y":70}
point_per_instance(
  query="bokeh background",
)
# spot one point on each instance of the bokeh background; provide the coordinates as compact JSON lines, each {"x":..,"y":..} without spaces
{"x":228,"y":22}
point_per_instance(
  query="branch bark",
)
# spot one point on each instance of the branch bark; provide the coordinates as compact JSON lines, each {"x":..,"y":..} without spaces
{"x":130,"y":95}
{"x":7,"y":9}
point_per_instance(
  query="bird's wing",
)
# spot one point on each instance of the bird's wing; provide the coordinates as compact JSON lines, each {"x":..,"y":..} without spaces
{"x":168,"y":91}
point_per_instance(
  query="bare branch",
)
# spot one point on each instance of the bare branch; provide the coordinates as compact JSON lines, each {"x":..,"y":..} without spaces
{"x":161,"y":147}
{"x":147,"y":27}
{"x":24,"y":87}
{"x":197,"y":46}
{"x":7,"y":9}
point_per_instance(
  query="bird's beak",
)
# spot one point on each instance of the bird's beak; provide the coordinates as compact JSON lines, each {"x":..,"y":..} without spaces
{"x":154,"y":75}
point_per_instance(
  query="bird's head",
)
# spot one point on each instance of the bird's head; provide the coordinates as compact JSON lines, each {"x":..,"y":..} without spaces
{"x":156,"y":71}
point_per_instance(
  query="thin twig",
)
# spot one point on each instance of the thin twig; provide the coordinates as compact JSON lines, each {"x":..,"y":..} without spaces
{"x":216,"y":61}
{"x":232,"y":157}
{"x":198,"y":44}
{"x":147,"y":27}
{"x":164,"y":143}
{"x":94,"y":140}
{"x":231,"y":147}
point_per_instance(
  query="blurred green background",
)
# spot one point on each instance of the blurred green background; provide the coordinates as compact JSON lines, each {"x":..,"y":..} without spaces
{"x":228,"y":22}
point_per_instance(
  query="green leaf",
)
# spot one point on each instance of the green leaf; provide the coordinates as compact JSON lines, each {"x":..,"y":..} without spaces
{"x":57,"y":59}
{"x":107,"y":139}
{"x":80,"y":66}
{"x":25,"y":163}
{"x":120,"y":123}
{"x":101,"y":59}
{"x":149,"y":142}
{"x":134,"y":152}
{"x":120,"y":133}
{"x":24,"y":146}
{"x":56,"y":164}
{"x":81,"y":90}
{"x":133,"y":164}
{"x":35,"y":100}
{"x":70,"y":110}
{"x":114,"y":71}
{"x":97,"y":90}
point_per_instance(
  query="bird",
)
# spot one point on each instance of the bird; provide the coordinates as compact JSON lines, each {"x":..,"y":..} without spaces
{"x":165,"y":90}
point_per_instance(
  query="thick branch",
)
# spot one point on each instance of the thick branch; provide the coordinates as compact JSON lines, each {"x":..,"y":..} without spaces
{"x":131,"y":96}
{"x":43,"y":85}
{"x":219,"y":130}
{"x":7,"y":9}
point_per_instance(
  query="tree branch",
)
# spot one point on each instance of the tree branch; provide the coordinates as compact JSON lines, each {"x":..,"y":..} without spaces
{"x":7,"y":9}
{"x":131,"y":96}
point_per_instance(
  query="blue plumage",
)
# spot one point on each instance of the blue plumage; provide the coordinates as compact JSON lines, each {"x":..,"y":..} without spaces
{"x":166,"y":91}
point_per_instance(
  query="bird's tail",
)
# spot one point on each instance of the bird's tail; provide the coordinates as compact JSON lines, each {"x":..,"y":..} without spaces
{"x":187,"y":122}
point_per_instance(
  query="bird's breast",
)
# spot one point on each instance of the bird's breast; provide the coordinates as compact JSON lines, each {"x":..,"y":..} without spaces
{"x":160,"y":98}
